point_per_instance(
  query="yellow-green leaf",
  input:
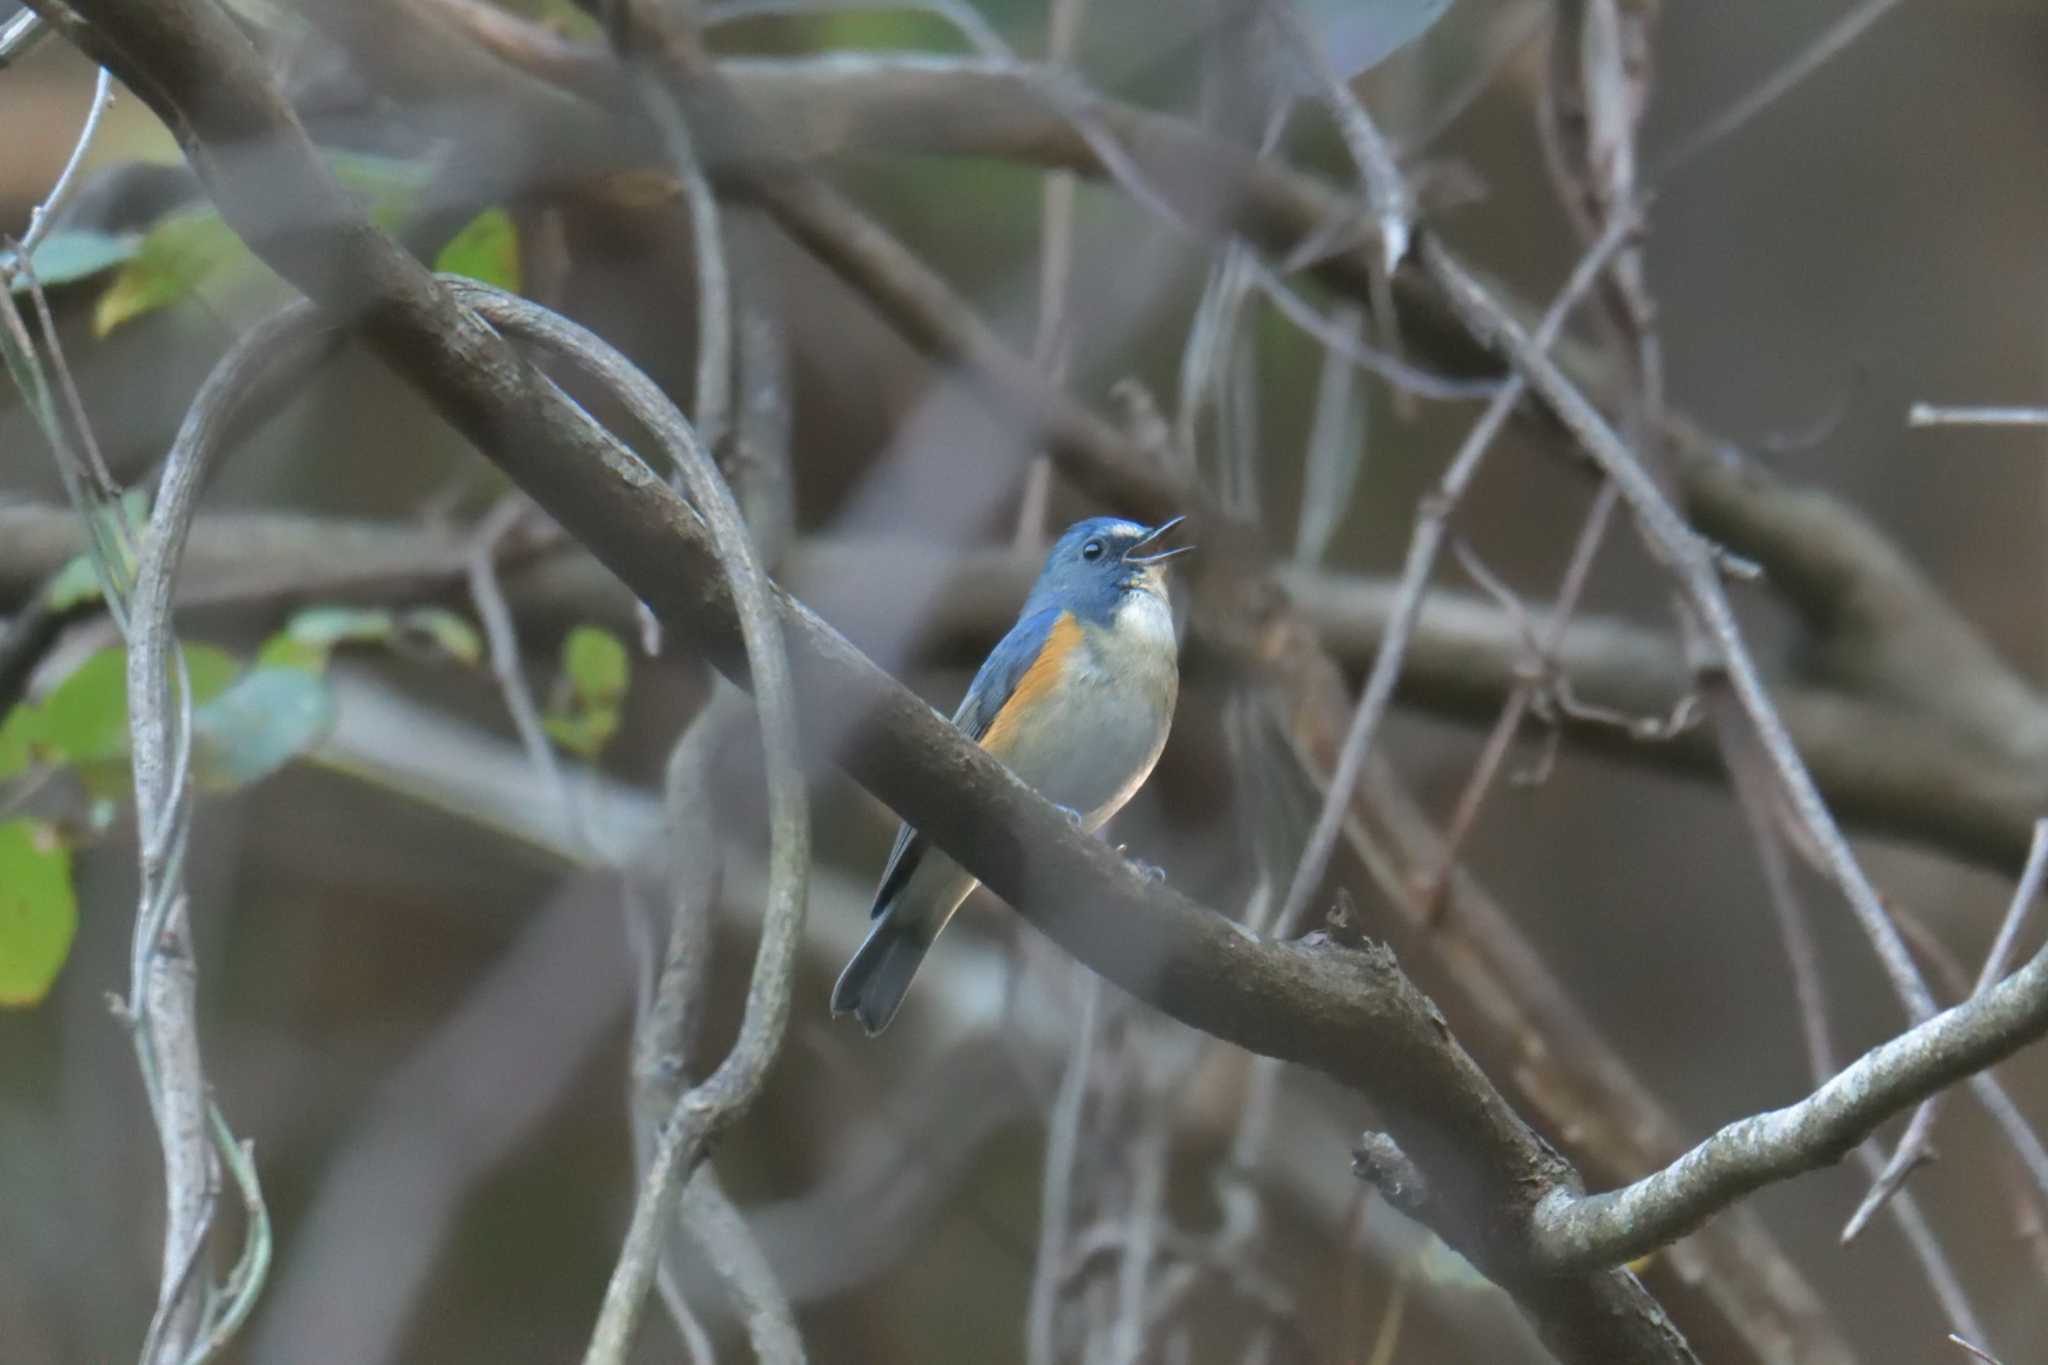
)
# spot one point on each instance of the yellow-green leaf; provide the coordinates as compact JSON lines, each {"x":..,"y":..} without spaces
{"x":486,"y":249}
{"x":446,"y":631}
{"x":177,"y":255}
{"x":184,"y":251}
{"x":596,"y":665}
{"x":20,"y":729}
{"x":38,"y":910}
{"x":282,"y":651}
{"x":325,"y":627}
{"x":583,"y":732}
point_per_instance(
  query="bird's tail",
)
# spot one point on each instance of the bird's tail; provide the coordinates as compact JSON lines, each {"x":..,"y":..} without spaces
{"x":872,"y":986}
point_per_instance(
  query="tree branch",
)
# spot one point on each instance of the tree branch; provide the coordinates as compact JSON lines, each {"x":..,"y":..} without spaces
{"x":1605,"y":1229}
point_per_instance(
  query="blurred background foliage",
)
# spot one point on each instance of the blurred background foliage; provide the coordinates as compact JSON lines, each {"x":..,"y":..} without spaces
{"x":423,"y":1008}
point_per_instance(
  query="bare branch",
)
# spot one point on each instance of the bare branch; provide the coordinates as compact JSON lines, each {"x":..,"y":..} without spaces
{"x":708,"y":1108}
{"x":1749,"y":774}
{"x":1976,"y":1351}
{"x":1914,"y":1149}
{"x":1056,"y":1188}
{"x":1606,"y":1229}
{"x":1931,"y":415}
{"x":45,"y":213}
{"x":191,"y":1319}
{"x":1775,"y":86}
{"x":1424,"y":542}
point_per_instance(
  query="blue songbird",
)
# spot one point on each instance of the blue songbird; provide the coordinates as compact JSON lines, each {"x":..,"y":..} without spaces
{"x":1076,"y":699}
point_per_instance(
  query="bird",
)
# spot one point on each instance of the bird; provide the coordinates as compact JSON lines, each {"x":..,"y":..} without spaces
{"x":1076,"y":700}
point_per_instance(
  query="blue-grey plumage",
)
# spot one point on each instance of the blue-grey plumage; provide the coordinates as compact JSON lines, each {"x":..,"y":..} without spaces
{"x":1076,"y":699}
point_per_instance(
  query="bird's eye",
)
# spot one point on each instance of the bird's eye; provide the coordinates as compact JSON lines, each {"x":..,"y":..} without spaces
{"x":1092,"y":550}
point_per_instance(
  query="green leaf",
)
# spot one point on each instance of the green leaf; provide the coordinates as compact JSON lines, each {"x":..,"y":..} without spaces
{"x":583,"y":732}
{"x":583,"y":717}
{"x":20,"y":731}
{"x":325,"y":627}
{"x":193,"y":247}
{"x":268,"y":718}
{"x":85,"y":719}
{"x":38,"y":910}
{"x":486,"y":249}
{"x":178,"y":254}
{"x":312,"y":634}
{"x":282,"y":651}
{"x":596,"y":664}
{"x":73,"y":254}
{"x":447,"y":631}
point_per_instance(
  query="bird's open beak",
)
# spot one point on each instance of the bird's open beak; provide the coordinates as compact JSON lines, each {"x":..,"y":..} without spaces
{"x":1131,"y":556}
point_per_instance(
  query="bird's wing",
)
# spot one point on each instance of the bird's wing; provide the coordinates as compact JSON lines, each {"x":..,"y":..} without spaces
{"x":1021,"y":667}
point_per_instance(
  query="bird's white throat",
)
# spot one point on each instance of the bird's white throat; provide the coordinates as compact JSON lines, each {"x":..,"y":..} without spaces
{"x":1144,"y":618}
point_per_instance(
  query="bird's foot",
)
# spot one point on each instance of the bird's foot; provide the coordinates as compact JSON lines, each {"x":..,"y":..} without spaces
{"x":1151,"y":872}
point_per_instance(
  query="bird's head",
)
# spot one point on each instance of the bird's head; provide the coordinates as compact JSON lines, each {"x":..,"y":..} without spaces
{"x":1100,"y":562}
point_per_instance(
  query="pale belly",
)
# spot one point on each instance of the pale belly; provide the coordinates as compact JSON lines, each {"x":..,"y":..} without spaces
{"x":1108,"y":739}
{"x":1113,"y":716}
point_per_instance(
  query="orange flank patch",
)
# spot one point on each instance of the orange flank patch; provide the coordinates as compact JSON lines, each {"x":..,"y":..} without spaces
{"x":1036,"y":685}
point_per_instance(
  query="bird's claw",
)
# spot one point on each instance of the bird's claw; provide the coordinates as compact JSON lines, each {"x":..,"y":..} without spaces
{"x":1151,"y":872}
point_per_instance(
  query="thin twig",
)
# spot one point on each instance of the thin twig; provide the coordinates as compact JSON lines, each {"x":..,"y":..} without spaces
{"x":21,"y":35}
{"x":192,"y":1319}
{"x":1388,"y":199}
{"x":1426,"y":539}
{"x":1062,"y":1144}
{"x":1749,"y":774}
{"x":710,"y":1107}
{"x":1977,"y":1351}
{"x":713,"y":403}
{"x":1522,"y":26}
{"x":1931,"y":415}
{"x":1147,"y":1157}
{"x":45,"y":213}
{"x":1698,"y":570}
{"x":1052,"y":346}
{"x":666,"y":1028}
{"x":1767,"y":92}
{"x":501,"y":636}
{"x":1578,"y":571}
{"x":1913,"y":1149}
{"x":735,"y":1254}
